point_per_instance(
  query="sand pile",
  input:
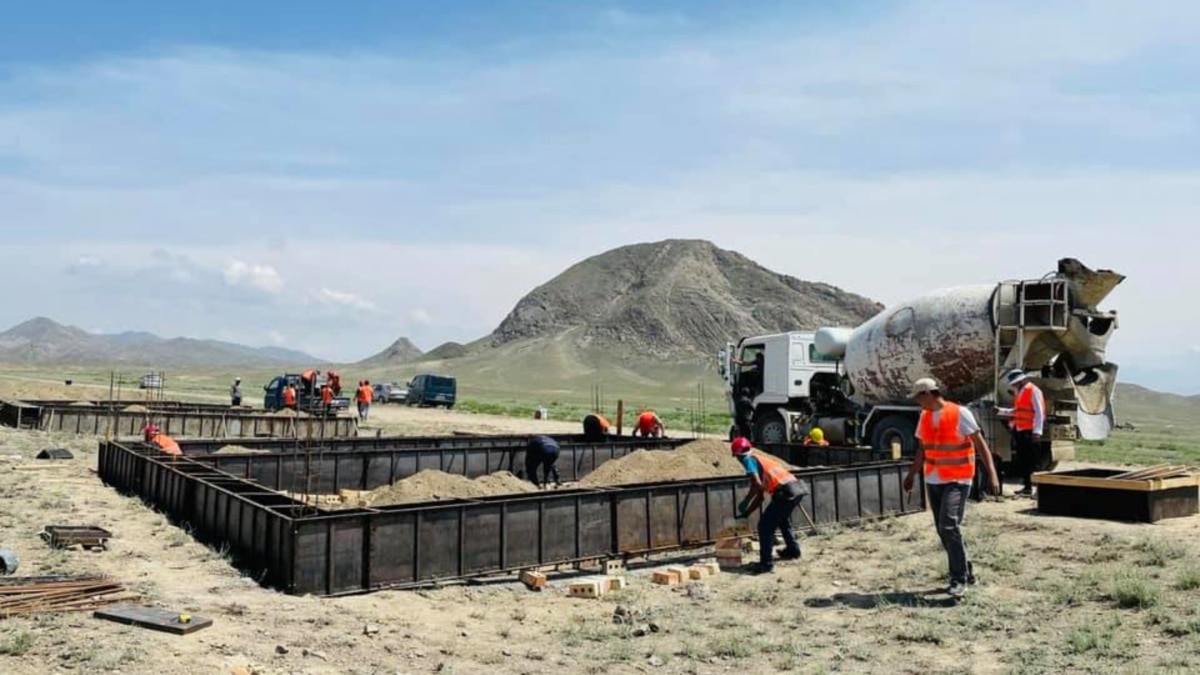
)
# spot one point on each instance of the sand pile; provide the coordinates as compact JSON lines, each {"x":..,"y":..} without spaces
{"x":136,"y":408}
{"x":431,"y":485}
{"x":285,"y":412}
{"x":240,"y":450}
{"x":707,"y":458}
{"x":83,"y":404}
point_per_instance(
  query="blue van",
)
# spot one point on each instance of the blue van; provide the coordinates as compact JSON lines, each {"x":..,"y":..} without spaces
{"x":428,"y":390}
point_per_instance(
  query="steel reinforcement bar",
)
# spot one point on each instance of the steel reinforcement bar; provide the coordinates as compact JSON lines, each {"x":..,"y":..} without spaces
{"x":303,"y":550}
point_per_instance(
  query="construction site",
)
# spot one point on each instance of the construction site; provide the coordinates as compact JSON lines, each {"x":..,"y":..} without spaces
{"x":281,"y":541}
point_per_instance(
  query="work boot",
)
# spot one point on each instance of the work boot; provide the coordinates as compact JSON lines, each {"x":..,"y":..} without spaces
{"x":758,"y":568}
{"x":1026,"y":491}
{"x":784,"y":554}
{"x":957,"y":589}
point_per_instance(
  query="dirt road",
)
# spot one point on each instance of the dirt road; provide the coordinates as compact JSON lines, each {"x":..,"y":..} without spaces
{"x":1056,"y":595}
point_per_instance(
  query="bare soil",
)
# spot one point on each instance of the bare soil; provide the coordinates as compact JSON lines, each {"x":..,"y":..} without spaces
{"x":708,"y":458}
{"x":1056,"y":595}
{"x":432,"y":485}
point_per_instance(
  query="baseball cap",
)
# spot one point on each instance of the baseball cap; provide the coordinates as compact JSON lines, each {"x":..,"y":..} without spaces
{"x":923,"y":385}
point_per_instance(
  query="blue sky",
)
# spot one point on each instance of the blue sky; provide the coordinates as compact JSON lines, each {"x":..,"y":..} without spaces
{"x":330,"y":178}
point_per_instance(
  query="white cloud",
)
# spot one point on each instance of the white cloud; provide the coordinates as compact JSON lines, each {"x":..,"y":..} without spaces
{"x":328,"y":296}
{"x":261,"y":277}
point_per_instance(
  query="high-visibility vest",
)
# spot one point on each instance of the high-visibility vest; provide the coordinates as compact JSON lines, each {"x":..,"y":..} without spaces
{"x":166,"y":444}
{"x":326,"y":395}
{"x":809,"y":441}
{"x":646,"y":421}
{"x":289,"y":396}
{"x":1023,"y":413}
{"x":364,"y":394}
{"x":772,"y":472}
{"x":948,"y":454}
{"x":604,"y":423}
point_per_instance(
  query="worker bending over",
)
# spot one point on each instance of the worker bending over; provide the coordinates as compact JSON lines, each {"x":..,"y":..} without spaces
{"x":542,"y":452}
{"x":769,"y":476}
{"x":949,"y":440}
{"x":596,"y":427}
{"x":649,"y":425}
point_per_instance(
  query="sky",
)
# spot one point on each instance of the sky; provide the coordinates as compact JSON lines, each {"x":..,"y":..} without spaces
{"x":329,"y":178}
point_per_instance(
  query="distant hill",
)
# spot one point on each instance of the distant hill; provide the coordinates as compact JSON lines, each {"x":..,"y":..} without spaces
{"x":400,"y":351}
{"x":44,"y":341}
{"x":673,"y":300}
{"x":643,"y":318}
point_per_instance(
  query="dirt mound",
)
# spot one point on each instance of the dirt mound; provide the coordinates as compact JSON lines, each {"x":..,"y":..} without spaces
{"x":135,"y":408}
{"x":431,"y":485}
{"x":240,"y":450}
{"x":675,"y":298}
{"x":289,"y":413}
{"x":83,"y":404}
{"x":707,"y":458}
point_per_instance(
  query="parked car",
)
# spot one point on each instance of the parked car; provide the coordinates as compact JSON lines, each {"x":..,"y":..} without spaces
{"x":389,"y":392}
{"x":428,"y":390}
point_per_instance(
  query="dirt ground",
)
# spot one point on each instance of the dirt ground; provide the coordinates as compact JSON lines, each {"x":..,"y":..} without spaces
{"x":1056,"y":595}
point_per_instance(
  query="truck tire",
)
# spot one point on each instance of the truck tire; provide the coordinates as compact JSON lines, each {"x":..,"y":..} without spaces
{"x":895,"y":427}
{"x":769,"y":427}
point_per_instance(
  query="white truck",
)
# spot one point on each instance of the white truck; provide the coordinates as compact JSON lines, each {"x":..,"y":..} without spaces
{"x":854,"y":383}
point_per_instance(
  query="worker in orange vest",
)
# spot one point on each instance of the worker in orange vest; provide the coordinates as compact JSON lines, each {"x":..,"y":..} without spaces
{"x":649,"y":425}
{"x":162,"y":441}
{"x":326,"y":397}
{"x":815,"y":437}
{"x":363,"y":397}
{"x":289,"y":396}
{"x":596,"y":427}
{"x":949,"y":440}
{"x":769,"y":476}
{"x":1027,"y":419}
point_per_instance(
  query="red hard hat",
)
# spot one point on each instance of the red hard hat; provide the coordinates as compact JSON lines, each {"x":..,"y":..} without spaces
{"x":740,"y":445}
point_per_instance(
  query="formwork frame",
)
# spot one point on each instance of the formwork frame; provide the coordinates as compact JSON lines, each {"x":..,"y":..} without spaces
{"x":301,"y":550}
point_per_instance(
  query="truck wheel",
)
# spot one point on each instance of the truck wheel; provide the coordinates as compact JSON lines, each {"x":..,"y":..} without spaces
{"x":895,"y":428}
{"x":769,"y":428}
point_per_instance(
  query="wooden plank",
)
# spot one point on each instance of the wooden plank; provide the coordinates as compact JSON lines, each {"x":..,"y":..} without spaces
{"x":1114,"y":484}
{"x":153,"y":618}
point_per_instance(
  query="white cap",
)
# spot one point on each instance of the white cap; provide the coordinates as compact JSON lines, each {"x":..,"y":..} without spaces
{"x":1015,"y":376}
{"x":923,"y":385}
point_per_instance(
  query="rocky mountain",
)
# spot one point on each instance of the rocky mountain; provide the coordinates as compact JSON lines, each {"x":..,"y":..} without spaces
{"x":672,"y":300}
{"x":400,"y":351}
{"x":44,"y":341}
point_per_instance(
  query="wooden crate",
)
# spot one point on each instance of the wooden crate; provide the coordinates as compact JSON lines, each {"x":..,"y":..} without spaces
{"x":1091,"y":493}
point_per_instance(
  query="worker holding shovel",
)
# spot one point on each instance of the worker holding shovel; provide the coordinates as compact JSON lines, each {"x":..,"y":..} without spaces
{"x":769,"y":476}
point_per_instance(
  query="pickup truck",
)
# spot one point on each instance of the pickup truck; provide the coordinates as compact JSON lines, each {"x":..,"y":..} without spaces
{"x":273,"y":396}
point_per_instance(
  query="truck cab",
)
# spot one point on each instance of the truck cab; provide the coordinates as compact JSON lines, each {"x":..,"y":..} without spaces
{"x":774,"y":372}
{"x":273,"y":395}
{"x":429,"y":390}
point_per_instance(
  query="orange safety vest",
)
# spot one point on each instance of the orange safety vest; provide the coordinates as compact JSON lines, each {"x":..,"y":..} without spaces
{"x":604,"y":423}
{"x":289,"y":396}
{"x":773,"y":472}
{"x":948,"y":453}
{"x":166,"y":444}
{"x":809,"y":441}
{"x":326,"y":395}
{"x":1022,"y":419}
{"x":364,"y":394}
{"x":646,"y":421}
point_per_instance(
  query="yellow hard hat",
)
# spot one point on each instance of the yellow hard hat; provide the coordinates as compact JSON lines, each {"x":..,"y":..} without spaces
{"x":816,"y":434}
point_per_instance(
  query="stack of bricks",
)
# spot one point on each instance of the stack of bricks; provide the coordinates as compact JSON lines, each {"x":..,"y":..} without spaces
{"x":596,"y":587}
{"x":671,"y":576}
{"x":733,"y":552}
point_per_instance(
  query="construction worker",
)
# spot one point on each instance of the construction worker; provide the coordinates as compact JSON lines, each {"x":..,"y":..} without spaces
{"x":949,"y":441}
{"x":326,"y":397}
{"x":596,"y":427}
{"x":769,"y":476}
{"x":363,"y":397}
{"x":1026,"y":423}
{"x":235,"y":393}
{"x":149,"y":431}
{"x":164,"y":442}
{"x":815,"y":437}
{"x":335,"y":381}
{"x":289,"y":396}
{"x":649,"y":425}
{"x":542,"y":451}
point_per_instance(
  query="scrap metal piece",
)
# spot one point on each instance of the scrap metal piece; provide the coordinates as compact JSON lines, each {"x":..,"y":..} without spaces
{"x":55,"y":453}
{"x":8,"y":561}
{"x":154,"y":619}
{"x":88,"y":536}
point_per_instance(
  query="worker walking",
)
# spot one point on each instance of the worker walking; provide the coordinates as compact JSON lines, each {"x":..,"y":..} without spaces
{"x":815,"y":437}
{"x":289,"y":396}
{"x":769,"y":476}
{"x":235,"y":393}
{"x":542,"y":452}
{"x":649,"y":425}
{"x":949,"y":441}
{"x":363,"y":397}
{"x":1027,"y":421}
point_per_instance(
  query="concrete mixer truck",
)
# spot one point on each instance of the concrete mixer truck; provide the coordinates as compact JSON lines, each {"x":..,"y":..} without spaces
{"x":854,"y":383}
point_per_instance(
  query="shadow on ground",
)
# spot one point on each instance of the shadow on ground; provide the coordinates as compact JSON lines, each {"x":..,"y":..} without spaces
{"x":930,"y":598}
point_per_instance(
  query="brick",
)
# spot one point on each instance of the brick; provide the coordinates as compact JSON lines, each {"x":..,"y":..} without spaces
{"x":616,"y":583}
{"x":679,"y":572}
{"x":710,"y":568}
{"x":588,"y":588}
{"x":612,"y":567}
{"x":696,"y":572}
{"x":664,"y":578}
{"x":535,"y":580}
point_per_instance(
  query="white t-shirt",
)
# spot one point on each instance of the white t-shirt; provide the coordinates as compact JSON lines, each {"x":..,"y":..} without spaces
{"x":966,"y":426}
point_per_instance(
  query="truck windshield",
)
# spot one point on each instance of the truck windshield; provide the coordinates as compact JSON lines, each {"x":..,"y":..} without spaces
{"x":815,"y":356}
